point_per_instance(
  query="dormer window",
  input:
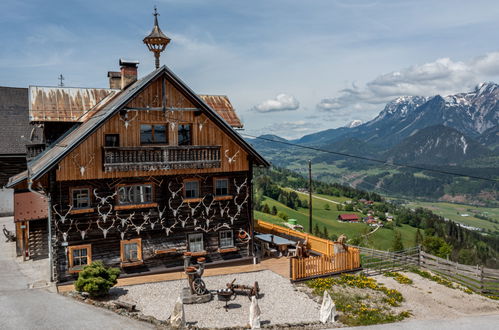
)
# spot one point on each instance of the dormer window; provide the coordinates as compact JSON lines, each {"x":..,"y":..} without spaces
{"x":153,"y":134}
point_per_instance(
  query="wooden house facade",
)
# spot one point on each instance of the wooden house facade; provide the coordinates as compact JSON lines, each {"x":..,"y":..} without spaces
{"x":151,"y":175}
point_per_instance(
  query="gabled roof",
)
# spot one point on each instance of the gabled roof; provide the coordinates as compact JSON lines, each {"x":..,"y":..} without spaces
{"x":14,"y":120}
{"x":349,"y":217}
{"x":50,"y":157}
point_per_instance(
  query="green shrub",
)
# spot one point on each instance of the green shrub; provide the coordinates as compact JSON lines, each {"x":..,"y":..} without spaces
{"x":97,"y":279}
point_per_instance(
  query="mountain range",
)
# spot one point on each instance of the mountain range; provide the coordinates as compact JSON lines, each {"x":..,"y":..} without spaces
{"x":454,"y":131}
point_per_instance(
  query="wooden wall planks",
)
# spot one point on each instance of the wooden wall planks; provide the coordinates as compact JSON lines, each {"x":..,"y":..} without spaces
{"x":206,"y":133}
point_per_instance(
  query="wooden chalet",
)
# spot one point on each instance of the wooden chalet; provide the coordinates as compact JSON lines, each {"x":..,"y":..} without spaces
{"x":140,"y":175}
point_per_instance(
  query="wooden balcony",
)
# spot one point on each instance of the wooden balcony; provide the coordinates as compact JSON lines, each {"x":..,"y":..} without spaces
{"x":153,"y":158}
{"x":34,"y":149}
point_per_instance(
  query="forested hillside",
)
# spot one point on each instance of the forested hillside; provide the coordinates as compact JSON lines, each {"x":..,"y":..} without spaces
{"x":437,"y":235}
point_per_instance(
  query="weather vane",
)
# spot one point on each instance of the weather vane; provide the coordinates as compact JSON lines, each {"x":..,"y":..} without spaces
{"x":156,"y":41}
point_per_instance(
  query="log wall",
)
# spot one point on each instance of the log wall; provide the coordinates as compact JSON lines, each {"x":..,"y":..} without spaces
{"x":163,"y":226}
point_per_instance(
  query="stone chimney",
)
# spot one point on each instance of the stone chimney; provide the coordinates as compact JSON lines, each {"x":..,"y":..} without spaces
{"x":128,"y":72}
{"x":114,"y":79}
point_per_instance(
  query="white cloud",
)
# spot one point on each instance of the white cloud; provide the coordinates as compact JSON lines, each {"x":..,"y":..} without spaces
{"x":282,"y":102}
{"x":442,"y":76}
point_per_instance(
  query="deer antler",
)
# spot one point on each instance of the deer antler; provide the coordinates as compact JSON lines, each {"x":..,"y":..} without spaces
{"x":175,"y":210}
{"x":239,"y":188}
{"x":127,"y":120}
{"x":175,"y":193}
{"x":62,"y":217}
{"x":105,"y":230}
{"x":104,"y":216}
{"x":103,"y":200}
{"x":83,"y":232}
{"x":230,"y":159}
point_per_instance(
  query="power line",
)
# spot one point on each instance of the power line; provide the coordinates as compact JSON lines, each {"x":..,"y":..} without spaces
{"x":373,"y":159}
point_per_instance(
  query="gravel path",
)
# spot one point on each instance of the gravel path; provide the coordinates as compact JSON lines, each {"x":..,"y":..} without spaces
{"x":429,"y":300}
{"x":280,"y":302}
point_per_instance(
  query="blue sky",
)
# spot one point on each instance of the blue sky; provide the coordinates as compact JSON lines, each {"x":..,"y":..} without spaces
{"x":289,"y":67}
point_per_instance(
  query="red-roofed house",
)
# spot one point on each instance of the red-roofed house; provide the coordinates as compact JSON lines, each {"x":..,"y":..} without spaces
{"x":349,"y":217}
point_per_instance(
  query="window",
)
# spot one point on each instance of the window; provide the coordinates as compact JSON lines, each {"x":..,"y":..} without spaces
{"x":196,"y":242}
{"x":80,"y":198}
{"x":79,"y":256}
{"x":112,"y":140}
{"x":191,"y":189}
{"x":184,"y":135}
{"x":135,"y":194}
{"x":131,"y":250}
{"x":153,"y":134}
{"x":221,"y":187}
{"x":226,"y":238}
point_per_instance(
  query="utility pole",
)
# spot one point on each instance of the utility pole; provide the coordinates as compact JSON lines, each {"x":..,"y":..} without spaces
{"x":310,"y":196}
{"x":61,"y":78}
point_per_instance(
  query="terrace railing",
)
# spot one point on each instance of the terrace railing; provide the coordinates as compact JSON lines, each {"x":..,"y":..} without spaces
{"x":151,"y":158}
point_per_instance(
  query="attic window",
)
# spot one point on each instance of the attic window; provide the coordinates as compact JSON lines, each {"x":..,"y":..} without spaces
{"x":153,"y":134}
{"x":184,"y":135}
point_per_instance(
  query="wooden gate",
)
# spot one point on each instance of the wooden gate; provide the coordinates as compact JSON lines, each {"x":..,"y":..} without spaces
{"x":324,"y":265}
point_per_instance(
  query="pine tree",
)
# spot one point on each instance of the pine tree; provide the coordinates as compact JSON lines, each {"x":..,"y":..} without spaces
{"x":265,"y":208}
{"x":418,"y":240}
{"x":317,"y":231}
{"x":327,"y":207}
{"x":274,"y":210}
{"x":325,"y":233}
{"x":397,"y":241}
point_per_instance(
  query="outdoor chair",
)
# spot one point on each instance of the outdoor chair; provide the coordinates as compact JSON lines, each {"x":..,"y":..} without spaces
{"x":267,"y":250}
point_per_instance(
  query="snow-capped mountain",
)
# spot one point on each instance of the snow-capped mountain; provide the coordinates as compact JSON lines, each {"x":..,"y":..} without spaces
{"x":437,"y":145}
{"x":354,"y":123}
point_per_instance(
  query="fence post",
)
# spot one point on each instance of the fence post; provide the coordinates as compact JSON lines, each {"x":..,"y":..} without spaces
{"x":419,"y":256}
{"x":482,"y":287}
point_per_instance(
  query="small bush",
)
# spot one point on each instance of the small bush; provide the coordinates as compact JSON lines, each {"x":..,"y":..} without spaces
{"x":97,"y":279}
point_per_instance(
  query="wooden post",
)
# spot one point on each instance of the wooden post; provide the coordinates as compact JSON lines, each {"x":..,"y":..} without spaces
{"x":482,"y":287}
{"x":310,"y":196}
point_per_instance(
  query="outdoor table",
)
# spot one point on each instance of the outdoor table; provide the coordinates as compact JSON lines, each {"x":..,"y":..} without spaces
{"x":281,"y":242}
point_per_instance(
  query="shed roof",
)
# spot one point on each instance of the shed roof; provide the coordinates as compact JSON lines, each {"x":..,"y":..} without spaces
{"x":65,"y":104}
{"x":221,"y":104}
{"x":14,"y":120}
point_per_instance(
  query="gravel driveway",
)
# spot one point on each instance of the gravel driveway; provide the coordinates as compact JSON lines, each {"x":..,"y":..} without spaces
{"x":280,"y":302}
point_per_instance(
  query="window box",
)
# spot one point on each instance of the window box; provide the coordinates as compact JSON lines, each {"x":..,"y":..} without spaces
{"x":80,"y":211}
{"x":224,"y":198}
{"x":131,"y":263}
{"x":166,"y":251}
{"x":227,"y":250}
{"x":132,"y":207}
{"x":79,"y":257}
{"x":199,"y":253}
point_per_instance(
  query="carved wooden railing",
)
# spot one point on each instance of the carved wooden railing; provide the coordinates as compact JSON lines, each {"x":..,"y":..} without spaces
{"x":151,"y":158}
{"x":34,"y":149}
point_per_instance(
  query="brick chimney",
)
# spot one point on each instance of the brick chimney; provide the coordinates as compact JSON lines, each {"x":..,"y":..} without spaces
{"x":128,"y":72}
{"x":114,"y":79}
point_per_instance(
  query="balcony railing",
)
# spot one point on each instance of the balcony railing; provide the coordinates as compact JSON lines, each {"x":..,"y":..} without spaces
{"x":34,"y":149}
{"x":152,"y":158}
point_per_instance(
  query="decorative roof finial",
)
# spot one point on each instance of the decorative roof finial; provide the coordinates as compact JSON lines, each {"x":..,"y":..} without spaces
{"x":156,"y":41}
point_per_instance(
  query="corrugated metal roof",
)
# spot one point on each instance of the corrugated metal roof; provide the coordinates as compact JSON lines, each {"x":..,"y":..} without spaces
{"x":53,"y":155}
{"x":66,"y":104}
{"x":221,"y":104}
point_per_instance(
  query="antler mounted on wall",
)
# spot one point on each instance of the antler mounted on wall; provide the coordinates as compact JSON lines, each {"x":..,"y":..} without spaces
{"x":231,"y":159}
{"x":62,"y":218}
{"x":83,"y":231}
{"x":82,"y":168}
{"x":104,"y":200}
{"x":126,"y":119}
{"x":105,"y":230}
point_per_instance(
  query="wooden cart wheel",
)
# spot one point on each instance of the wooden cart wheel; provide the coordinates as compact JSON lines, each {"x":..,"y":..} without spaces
{"x":198,"y":286}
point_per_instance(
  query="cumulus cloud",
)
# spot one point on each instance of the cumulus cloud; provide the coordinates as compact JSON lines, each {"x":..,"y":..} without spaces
{"x":443,"y":76}
{"x":282,"y":102}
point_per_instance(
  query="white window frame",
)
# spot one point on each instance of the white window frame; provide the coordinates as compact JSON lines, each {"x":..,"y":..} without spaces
{"x":225,"y":241}
{"x":135,"y":194}
{"x":79,"y":199}
{"x":226,"y":187}
{"x":196,"y":242}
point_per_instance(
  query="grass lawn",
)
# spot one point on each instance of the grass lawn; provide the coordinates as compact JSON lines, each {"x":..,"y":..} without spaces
{"x":381,"y":239}
{"x":453,"y":211}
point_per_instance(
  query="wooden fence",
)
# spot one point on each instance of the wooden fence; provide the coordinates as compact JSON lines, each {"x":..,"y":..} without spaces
{"x":324,"y":265}
{"x":477,"y":278}
{"x":314,"y":243}
{"x":377,"y":262}
{"x":327,"y":263}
